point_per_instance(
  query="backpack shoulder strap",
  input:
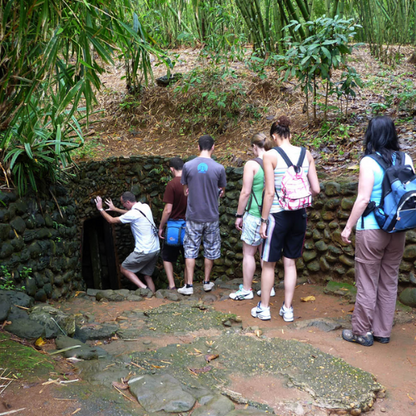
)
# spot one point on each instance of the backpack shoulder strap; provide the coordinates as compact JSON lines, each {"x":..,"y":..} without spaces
{"x":379,"y":160}
{"x":284,"y":156}
{"x":301,"y":157}
{"x":259,"y":161}
{"x":400,"y":158}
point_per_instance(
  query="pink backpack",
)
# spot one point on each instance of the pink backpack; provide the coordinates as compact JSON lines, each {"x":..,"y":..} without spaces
{"x":295,"y":191}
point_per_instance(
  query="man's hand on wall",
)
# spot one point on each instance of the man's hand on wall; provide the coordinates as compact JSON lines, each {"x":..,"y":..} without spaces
{"x":110,"y":204}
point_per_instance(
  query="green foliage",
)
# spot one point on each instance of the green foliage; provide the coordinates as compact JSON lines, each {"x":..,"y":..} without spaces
{"x":210,"y":96}
{"x":6,"y":279}
{"x":314,"y":58}
{"x":51,"y":56}
{"x":26,"y":273}
{"x":89,"y":150}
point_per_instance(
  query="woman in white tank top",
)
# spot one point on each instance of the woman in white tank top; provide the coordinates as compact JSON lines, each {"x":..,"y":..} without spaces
{"x":283,"y":231}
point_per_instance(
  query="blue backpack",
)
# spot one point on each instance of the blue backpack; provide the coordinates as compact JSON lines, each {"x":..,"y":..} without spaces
{"x":397,"y":209}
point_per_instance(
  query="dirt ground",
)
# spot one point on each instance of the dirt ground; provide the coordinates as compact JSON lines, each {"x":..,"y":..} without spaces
{"x":155,"y":123}
{"x":393,"y":365}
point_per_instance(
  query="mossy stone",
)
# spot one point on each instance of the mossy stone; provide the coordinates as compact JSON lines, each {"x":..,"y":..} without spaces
{"x":332,"y":204}
{"x":18,"y":224}
{"x":408,"y":297}
{"x":309,"y":255}
{"x":324,"y":265}
{"x":321,"y":246}
{"x":314,"y":266}
{"x":4,"y":231}
{"x":410,"y":252}
{"x":347,"y":203}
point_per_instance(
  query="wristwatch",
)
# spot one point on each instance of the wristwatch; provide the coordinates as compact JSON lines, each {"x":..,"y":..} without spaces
{"x":264,"y":221}
{"x":238,"y":215}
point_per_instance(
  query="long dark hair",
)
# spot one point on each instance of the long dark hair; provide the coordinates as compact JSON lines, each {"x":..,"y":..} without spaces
{"x":381,"y":137}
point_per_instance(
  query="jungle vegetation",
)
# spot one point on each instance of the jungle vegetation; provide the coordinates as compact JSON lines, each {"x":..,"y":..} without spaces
{"x":52,"y":54}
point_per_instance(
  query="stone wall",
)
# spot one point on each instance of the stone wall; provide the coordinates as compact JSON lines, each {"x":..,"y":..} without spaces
{"x":39,"y":245}
{"x":42,"y":239}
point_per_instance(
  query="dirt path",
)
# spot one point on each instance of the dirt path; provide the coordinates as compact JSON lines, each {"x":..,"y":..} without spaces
{"x":393,"y":364}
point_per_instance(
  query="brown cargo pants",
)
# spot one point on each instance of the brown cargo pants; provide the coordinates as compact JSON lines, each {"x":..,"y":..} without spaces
{"x":377,"y":259}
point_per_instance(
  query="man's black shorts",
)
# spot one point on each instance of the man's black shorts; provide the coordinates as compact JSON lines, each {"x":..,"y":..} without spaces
{"x":171,"y":253}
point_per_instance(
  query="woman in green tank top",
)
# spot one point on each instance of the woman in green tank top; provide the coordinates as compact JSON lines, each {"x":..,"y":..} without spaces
{"x":250,"y":201}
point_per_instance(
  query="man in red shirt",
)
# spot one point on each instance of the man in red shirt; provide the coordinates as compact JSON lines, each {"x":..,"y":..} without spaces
{"x":175,"y":209}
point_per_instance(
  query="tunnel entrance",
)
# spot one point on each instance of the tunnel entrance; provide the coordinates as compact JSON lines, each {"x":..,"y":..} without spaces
{"x":99,"y":260}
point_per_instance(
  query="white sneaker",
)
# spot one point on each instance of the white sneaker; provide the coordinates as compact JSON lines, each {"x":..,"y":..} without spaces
{"x":272,"y":292}
{"x":186,"y":290}
{"x":208,"y":286}
{"x":261,"y":313}
{"x":242,"y":294}
{"x":286,"y":313}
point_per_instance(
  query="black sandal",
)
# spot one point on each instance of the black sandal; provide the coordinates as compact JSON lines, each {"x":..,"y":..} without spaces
{"x":364,"y":340}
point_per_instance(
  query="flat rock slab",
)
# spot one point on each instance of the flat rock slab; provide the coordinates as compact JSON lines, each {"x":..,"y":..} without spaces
{"x":186,"y":317}
{"x":96,"y":331}
{"x":26,"y":328}
{"x":4,"y":308}
{"x":16,"y":298}
{"x":161,"y":392}
{"x":82,"y":350}
{"x":324,"y":324}
{"x":217,"y":406}
{"x":332,"y":383}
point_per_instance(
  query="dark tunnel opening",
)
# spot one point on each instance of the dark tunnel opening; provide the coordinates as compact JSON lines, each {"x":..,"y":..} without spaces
{"x":99,"y":260}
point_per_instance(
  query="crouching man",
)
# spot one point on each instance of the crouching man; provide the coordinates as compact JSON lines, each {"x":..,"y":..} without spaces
{"x":146,"y":250}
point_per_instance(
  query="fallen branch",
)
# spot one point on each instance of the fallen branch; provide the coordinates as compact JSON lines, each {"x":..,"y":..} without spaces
{"x":137,"y":365}
{"x":65,"y":349}
{"x":22,"y":307}
{"x":128,"y":398}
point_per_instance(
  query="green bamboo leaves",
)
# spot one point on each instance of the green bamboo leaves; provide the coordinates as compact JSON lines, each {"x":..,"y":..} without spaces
{"x":51,"y":55}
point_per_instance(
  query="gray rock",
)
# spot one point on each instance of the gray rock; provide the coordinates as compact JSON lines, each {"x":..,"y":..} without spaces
{"x":93,"y":292}
{"x":4,"y":309}
{"x":324,"y":324}
{"x":97,"y":331}
{"x":53,"y":320}
{"x":83,"y":351}
{"x":26,"y":328}
{"x":217,"y":406}
{"x":110,"y":295}
{"x":134,"y":298}
{"x":146,"y":293}
{"x":164,"y":392}
{"x":18,"y":224}
{"x":17,"y":313}
{"x":408,"y":297}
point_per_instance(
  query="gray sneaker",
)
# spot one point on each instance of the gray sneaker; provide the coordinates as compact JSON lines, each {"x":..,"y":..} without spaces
{"x":272,"y":292}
